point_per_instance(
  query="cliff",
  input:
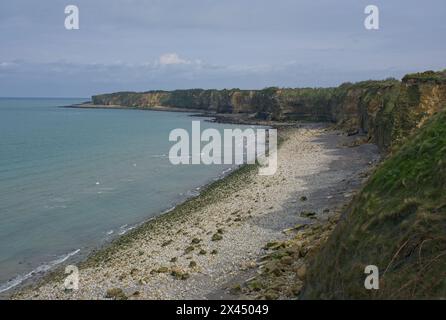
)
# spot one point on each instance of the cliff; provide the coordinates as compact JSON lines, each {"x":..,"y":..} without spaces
{"x":397,"y":223}
{"x":386,"y":111}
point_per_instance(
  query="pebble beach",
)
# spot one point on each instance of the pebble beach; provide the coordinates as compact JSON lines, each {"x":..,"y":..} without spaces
{"x":215,"y":242}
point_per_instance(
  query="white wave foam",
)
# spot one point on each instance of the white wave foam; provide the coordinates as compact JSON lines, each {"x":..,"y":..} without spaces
{"x":43,"y":268}
{"x":125,"y":230}
{"x":165,"y":211}
{"x":226,"y":171}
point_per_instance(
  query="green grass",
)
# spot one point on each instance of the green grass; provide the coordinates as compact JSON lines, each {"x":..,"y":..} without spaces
{"x":427,"y":76}
{"x":397,"y":222}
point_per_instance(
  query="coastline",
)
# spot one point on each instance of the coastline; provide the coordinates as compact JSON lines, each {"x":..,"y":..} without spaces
{"x":202,"y":245}
{"x":230,"y":118}
{"x":90,"y":105}
{"x":53,"y":268}
{"x":97,"y":254}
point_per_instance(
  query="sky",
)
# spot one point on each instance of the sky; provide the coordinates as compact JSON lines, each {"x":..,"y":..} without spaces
{"x":141,"y":45}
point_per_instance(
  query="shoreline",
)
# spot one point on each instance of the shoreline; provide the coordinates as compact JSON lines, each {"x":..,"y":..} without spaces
{"x":119,"y":107}
{"x":53,"y":269}
{"x":46,"y":271}
{"x":113,"y":245}
{"x":229,"y":118}
{"x":160,"y":254}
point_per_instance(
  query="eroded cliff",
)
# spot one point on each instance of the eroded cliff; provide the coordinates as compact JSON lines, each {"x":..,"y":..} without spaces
{"x":386,"y":111}
{"x":396,"y":223}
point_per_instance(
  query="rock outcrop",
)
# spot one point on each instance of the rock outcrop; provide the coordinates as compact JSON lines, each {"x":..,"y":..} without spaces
{"x":386,"y":111}
{"x":396,"y":223}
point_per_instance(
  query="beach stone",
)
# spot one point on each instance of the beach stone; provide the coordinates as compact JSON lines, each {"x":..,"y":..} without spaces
{"x":274,"y":245}
{"x":116,"y":294}
{"x":255,"y":285}
{"x":143,"y":281}
{"x":293,"y":251}
{"x":217,"y":237}
{"x":189,"y":249}
{"x":162,"y":270}
{"x":271,"y":295}
{"x":302,"y":272}
{"x":179,"y":274}
{"x":133,"y":271}
{"x":287,"y":260}
{"x":307,"y":214}
{"x":236,"y":289}
{"x":166,"y":243}
{"x":296,"y":289}
{"x":276,"y":271}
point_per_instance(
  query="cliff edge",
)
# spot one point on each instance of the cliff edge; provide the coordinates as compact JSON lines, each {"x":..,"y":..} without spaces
{"x":397,"y":223}
{"x":386,"y":111}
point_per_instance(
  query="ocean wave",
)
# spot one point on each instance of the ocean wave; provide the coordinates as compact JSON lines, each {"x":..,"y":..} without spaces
{"x":42,"y":268}
{"x":226,"y":171}
{"x":125,"y":228}
{"x":191,"y":193}
{"x":158,"y":156}
{"x":62,"y":206}
{"x":165,"y":211}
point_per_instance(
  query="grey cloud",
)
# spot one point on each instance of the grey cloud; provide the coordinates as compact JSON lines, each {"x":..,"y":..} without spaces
{"x":229,"y":43}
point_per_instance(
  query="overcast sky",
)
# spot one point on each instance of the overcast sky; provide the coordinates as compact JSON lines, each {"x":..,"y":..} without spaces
{"x":144,"y":45}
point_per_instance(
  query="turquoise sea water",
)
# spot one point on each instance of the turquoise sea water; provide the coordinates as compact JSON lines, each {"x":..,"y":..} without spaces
{"x":71,"y":179}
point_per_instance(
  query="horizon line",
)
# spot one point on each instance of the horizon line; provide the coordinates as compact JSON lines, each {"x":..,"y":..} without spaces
{"x":41,"y":97}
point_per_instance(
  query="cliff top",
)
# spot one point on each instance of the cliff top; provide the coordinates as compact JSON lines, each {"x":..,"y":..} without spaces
{"x":427,"y":76}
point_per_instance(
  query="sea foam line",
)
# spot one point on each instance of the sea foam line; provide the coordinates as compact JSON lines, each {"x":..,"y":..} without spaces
{"x":43,"y":268}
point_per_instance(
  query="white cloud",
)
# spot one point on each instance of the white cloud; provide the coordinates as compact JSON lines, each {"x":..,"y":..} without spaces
{"x":7,"y":64}
{"x":172,"y":58}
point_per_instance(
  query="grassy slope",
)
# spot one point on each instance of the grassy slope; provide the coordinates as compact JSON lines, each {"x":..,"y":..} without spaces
{"x":397,"y":222}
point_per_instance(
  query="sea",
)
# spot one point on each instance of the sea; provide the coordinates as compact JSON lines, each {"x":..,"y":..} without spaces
{"x":72,"y":179}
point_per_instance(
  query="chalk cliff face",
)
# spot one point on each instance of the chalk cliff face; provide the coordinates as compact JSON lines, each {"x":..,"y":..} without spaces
{"x":387,"y":111}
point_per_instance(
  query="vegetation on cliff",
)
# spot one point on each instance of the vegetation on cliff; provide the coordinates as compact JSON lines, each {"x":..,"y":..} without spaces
{"x":427,"y":76}
{"x":387,"y":111}
{"x":397,"y":223}
{"x":398,"y":220}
